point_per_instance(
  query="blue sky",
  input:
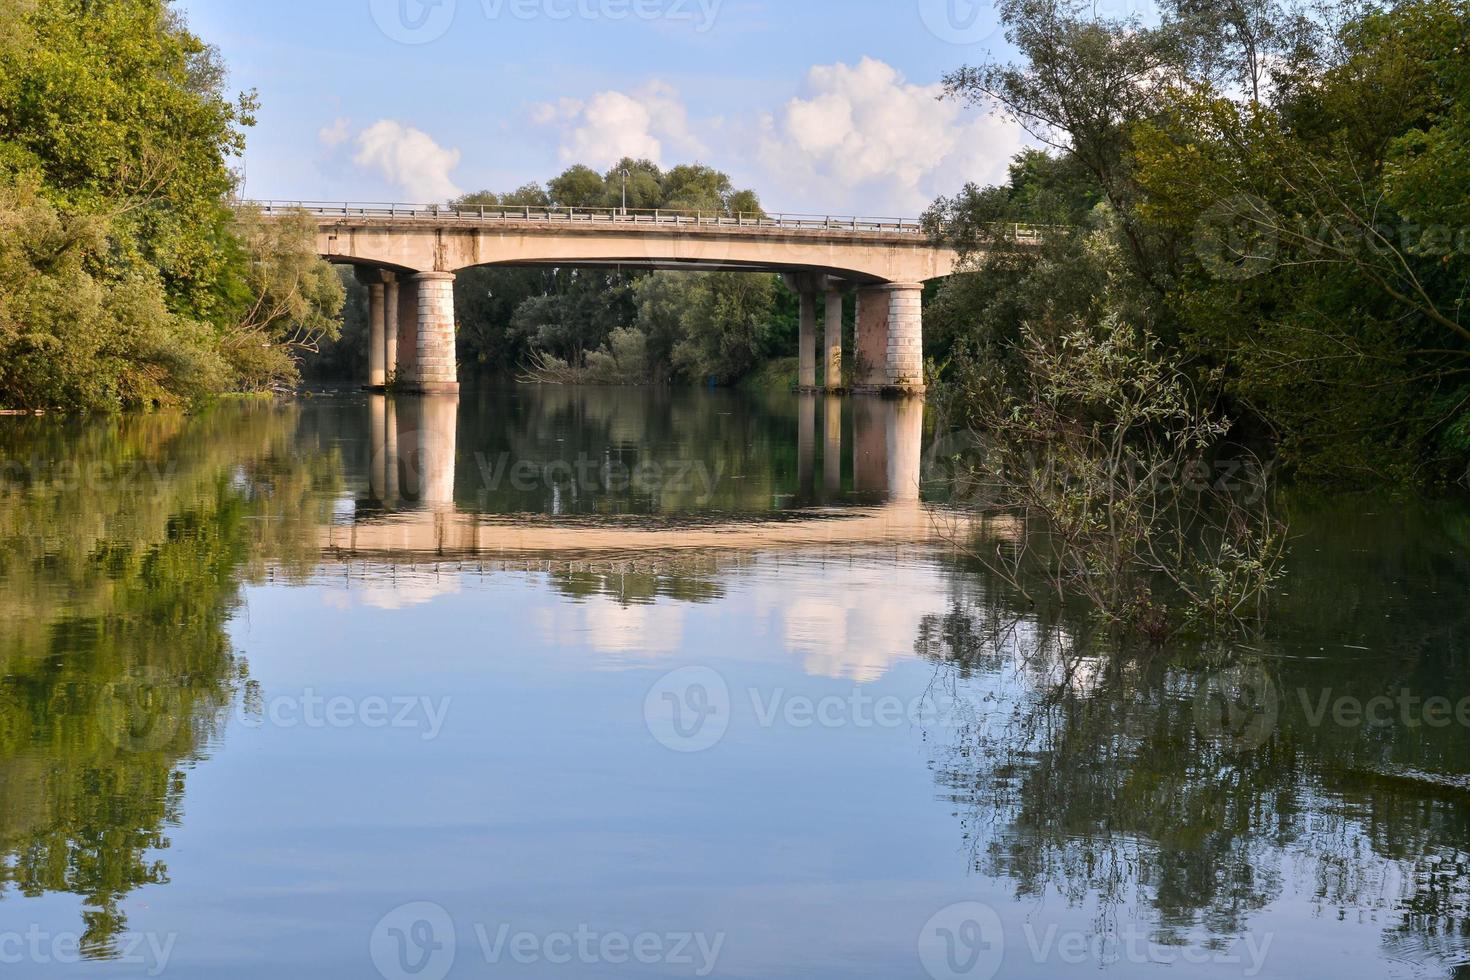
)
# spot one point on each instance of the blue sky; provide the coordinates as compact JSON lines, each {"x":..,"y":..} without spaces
{"x":821,"y":105}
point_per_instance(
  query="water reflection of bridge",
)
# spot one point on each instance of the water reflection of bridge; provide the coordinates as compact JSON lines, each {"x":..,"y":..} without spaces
{"x":419,"y":457}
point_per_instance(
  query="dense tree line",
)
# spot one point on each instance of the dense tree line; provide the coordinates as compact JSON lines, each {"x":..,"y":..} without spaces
{"x":1280,"y":193}
{"x":126,"y":277}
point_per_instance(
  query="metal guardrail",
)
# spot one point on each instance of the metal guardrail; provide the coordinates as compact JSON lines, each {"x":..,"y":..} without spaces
{"x":607,"y":216}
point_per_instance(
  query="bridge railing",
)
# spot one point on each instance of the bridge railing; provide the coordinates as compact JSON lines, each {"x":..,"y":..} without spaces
{"x":607,"y":216}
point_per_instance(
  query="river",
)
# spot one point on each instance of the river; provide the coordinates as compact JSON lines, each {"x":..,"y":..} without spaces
{"x":607,"y":682}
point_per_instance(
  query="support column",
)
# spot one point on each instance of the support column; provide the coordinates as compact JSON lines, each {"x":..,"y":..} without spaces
{"x":435,"y":371}
{"x":870,"y":360}
{"x":807,"y":356}
{"x":906,"y":337}
{"x":390,"y":327}
{"x":833,"y":347}
{"x":407,"y":342}
{"x":372,"y":281}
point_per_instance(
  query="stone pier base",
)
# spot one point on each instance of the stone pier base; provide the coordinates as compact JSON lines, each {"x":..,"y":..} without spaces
{"x":433,"y":371}
{"x":890,"y":339}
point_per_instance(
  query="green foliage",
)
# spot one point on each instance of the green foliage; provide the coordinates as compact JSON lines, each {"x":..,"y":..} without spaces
{"x":71,"y":336}
{"x":1100,"y":461}
{"x":1289,"y":191}
{"x":716,"y":325}
{"x":578,"y":187}
{"x":127,"y":280}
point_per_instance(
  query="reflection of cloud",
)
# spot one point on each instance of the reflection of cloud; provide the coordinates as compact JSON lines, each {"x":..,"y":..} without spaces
{"x":402,"y":590}
{"x":630,"y":634}
{"x":850,"y":622}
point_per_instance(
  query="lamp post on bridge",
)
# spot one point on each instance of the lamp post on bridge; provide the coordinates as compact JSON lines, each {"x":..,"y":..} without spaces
{"x":626,"y":175}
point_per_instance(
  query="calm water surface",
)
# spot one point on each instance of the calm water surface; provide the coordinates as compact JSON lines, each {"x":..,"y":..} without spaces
{"x":605,"y":683}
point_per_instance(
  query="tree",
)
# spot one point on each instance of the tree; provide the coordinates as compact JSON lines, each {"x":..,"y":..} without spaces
{"x":714,"y":325}
{"x":578,"y":187}
{"x":645,"y":184}
{"x":128,"y":278}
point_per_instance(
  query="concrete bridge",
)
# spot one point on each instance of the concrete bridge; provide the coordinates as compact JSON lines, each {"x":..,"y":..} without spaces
{"x":407,"y":257}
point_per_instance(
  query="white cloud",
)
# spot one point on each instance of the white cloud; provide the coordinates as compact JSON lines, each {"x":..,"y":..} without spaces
{"x":611,"y":125}
{"x":409,"y":158}
{"x":864,"y":137}
{"x":859,"y":139}
{"x":336,"y":134}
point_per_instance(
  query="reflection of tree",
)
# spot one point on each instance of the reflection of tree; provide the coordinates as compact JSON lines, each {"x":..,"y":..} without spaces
{"x":119,"y":580}
{"x":1088,"y":776}
{"x":637,"y":588}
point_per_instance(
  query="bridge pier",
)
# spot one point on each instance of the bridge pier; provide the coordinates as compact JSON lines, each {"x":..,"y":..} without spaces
{"x":390,"y":327}
{"x":375,"y":282}
{"x":406,"y":344}
{"x":433,"y":371}
{"x":807,"y":355}
{"x":890,"y":339}
{"x":832,"y":350}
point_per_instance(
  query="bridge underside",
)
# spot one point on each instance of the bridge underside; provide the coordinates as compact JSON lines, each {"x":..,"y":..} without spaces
{"x":409,"y":269}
